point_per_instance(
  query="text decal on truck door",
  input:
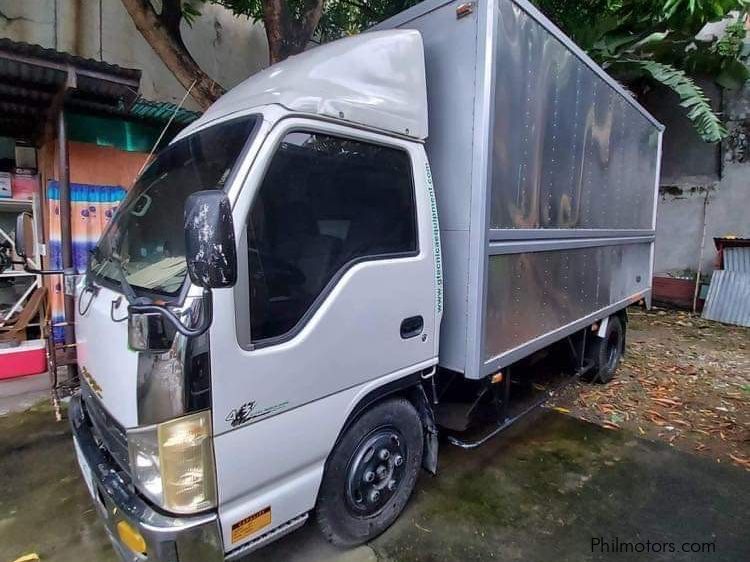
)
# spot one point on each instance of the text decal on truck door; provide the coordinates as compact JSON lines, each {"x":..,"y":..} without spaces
{"x":435,"y":240}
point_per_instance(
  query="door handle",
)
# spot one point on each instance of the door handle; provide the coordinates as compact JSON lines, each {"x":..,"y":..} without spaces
{"x":411,"y":327}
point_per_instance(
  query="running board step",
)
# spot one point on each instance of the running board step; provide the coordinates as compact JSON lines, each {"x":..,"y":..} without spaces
{"x":464,"y":444}
{"x":504,"y":425}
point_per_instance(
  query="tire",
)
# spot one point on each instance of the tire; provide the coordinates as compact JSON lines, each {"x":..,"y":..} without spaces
{"x":606,"y":352}
{"x":365,"y":489}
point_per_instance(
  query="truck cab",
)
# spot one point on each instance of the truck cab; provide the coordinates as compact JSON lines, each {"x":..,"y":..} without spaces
{"x":224,"y":375}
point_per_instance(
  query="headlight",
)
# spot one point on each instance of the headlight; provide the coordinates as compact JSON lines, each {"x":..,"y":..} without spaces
{"x":173,"y":463}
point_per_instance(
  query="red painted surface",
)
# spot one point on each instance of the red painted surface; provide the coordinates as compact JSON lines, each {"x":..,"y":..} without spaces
{"x":21,"y":362}
{"x":675,"y":292}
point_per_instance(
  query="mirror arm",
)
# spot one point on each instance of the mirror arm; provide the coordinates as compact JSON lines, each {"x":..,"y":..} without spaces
{"x":174,"y":320}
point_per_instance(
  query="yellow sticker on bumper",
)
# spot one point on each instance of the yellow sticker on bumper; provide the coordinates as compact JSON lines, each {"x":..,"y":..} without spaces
{"x":252,"y":524}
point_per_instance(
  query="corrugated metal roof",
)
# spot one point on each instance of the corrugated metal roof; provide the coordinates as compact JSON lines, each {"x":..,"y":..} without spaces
{"x":728,"y":299}
{"x":162,"y":111}
{"x":31,"y":77}
{"x":737,"y":259}
{"x":30,"y":51}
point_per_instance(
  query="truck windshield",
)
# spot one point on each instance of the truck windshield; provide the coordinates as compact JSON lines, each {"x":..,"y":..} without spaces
{"x":144,"y":246}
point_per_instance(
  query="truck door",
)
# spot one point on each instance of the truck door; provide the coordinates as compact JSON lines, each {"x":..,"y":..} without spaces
{"x":337,"y":292}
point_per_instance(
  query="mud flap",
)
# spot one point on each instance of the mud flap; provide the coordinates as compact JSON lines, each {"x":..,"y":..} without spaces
{"x":430,"y":457}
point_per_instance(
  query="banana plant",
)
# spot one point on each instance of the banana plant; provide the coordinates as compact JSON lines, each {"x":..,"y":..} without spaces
{"x":661,"y":41}
{"x":632,"y":58}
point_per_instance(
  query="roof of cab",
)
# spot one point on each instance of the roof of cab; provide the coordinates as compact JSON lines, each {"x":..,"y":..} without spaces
{"x":375,"y":79}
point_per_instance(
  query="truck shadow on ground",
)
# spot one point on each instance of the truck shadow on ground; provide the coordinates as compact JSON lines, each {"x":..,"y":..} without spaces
{"x":544,"y":490}
{"x":548,"y":489}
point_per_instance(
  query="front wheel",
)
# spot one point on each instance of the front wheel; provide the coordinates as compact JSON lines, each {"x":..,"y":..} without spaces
{"x":371,"y":473}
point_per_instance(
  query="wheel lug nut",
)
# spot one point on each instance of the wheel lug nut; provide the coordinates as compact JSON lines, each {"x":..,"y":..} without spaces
{"x":374,"y":496}
{"x":398,"y":460}
{"x":384,"y":454}
{"x":391,"y":484}
{"x":369,"y":476}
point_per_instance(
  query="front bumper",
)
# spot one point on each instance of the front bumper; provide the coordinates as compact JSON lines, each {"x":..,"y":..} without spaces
{"x":195,"y":538}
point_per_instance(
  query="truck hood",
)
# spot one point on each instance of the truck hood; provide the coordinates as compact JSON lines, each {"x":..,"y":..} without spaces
{"x":106,"y":363}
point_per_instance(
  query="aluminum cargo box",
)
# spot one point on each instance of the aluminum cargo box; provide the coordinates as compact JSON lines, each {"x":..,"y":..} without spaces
{"x":546,"y":173}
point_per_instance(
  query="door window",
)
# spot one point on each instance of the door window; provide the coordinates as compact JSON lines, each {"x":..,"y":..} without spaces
{"x":325,"y":203}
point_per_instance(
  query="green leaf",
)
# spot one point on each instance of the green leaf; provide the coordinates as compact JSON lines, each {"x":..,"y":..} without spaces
{"x":611,"y":44}
{"x":190,"y":13}
{"x":650,"y":40}
{"x":707,"y":124}
{"x":671,"y":6}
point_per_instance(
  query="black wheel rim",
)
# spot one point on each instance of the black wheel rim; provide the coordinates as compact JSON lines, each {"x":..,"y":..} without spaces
{"x":613,"y":351}
{"x":375,"y":472}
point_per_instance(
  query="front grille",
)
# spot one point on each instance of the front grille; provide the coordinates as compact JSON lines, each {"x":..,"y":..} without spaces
{"x":107,"y":431}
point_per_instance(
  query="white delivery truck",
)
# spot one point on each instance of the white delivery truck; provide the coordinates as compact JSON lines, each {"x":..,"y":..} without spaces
{"x":310,"y":281}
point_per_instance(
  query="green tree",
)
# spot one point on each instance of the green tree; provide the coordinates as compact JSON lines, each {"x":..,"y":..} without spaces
{"x":659,"y":40}
{"x":292,"y":24}
{"x":634,"y":40}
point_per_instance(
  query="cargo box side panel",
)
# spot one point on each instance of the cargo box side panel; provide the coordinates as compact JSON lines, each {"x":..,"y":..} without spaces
{"x":533,"y":295}
{"x":450,"y":59}
{"x":567,"y":145}
{"x":450,"y":46}
{"x":453,"y":330}
{"x":572,"y":191}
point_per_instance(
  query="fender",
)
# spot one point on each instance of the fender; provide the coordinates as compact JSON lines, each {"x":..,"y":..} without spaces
{"x":422,"y":403}
{"x":601,"y":332}
{"x":410,"y":387}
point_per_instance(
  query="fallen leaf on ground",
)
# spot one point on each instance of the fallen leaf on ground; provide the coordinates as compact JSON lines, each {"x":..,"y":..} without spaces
{"x":28,"y":558}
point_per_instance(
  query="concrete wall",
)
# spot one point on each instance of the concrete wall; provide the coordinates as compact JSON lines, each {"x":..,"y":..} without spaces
{"x":229,"y":49}
{"x":694,"y":170}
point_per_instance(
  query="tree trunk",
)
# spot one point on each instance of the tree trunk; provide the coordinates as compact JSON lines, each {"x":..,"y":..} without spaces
{"x":172,"y":52}
{"x":286,"y":35}
{"x":171,"y":16}
{"x":275,"y":20}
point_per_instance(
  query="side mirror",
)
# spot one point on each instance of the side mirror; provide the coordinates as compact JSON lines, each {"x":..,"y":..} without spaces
{"x":210,"y":250}
{"x":24,"y":240}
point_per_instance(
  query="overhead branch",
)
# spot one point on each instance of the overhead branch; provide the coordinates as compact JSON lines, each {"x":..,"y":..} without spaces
{"x":310,"y":16}
{"x":172,"y":51}
{"x":288,"y":35}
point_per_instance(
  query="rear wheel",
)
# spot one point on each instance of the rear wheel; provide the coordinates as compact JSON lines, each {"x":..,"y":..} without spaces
{"x":606,"y":352}
{"x":371,"y":473}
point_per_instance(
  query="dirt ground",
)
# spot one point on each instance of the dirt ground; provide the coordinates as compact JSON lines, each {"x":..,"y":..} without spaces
{"x":684,"y":380}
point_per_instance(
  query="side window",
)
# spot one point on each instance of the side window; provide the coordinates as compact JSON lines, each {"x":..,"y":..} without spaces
{"x":325,"y":203}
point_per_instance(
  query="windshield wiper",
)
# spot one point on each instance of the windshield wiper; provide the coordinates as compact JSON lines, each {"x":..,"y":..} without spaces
{"x":119,"y":269}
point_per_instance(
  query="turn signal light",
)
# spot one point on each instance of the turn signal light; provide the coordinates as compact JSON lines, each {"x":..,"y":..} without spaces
{"x":131,"y":537}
